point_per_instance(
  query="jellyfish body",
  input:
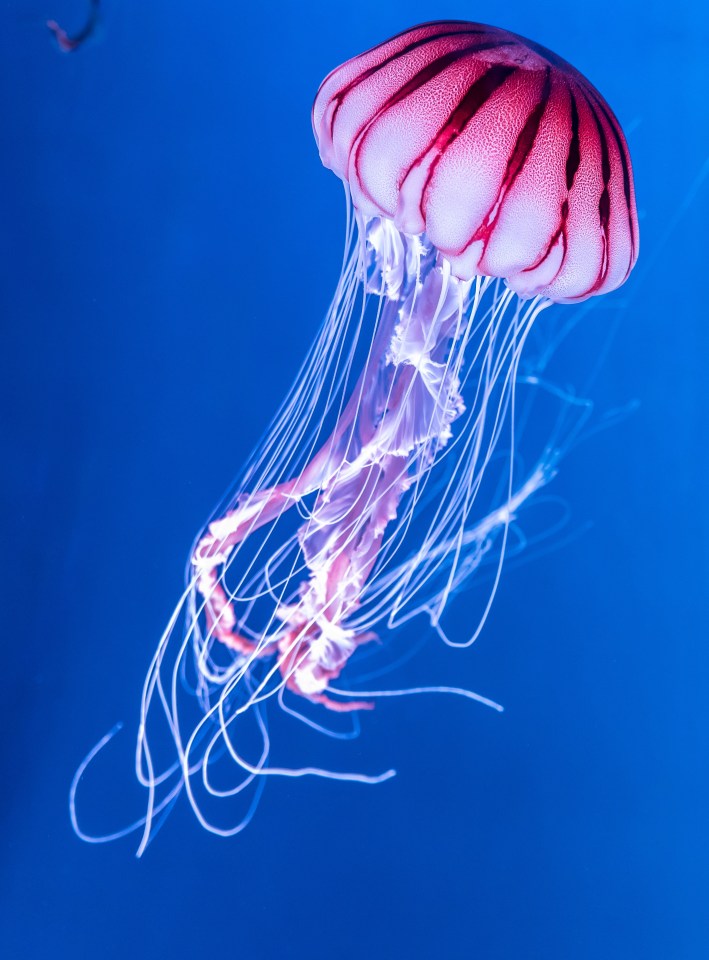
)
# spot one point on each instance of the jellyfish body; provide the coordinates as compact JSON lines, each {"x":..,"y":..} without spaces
{"x":502,"y":153}
{"x":487,"y":179}
{"x":69,"y":43}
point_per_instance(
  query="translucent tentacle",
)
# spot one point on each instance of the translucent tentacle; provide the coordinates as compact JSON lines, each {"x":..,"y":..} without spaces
{"x":387,"y":479}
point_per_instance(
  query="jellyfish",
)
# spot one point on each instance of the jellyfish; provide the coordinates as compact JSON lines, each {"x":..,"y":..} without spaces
{"x":67,"y":43}
{"x":485,"y":180}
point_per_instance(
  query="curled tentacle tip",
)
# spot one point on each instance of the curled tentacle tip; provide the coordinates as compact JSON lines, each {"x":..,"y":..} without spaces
{"x":64,"y":41}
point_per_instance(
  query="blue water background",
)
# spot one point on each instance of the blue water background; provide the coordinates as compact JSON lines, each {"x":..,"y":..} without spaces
{"x":169,"y":245}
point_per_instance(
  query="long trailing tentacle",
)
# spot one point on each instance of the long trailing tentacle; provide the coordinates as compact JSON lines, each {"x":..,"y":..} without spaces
{"x":368,"y":503}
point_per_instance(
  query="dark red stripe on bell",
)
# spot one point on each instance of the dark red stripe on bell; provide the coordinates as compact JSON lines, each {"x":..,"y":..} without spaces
{"x":341,"y":95}
{"x":625,"y":166}
{"x":478,"y":94}
{"x":528,"y":135}
{"x":604,"y":203}
{"x":573,"y":158}
{"x":560,"y":233}
{"x":521,"y":150}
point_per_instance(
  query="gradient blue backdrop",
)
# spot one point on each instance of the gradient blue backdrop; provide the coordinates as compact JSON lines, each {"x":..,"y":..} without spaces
{"x":169,"y":244}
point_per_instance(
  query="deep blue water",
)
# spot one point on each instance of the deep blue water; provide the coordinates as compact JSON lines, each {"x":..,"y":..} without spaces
{"x":169,"y":245}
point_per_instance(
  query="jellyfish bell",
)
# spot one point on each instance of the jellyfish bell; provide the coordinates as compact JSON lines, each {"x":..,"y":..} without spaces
{"x":485,"y":179}
{"x":502,"y":153}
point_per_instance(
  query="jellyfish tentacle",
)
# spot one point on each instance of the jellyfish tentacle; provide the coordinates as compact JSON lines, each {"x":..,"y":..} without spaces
{"x":405,"y":402}
{"x":346,"y":563}
{"x":515,"y":177}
